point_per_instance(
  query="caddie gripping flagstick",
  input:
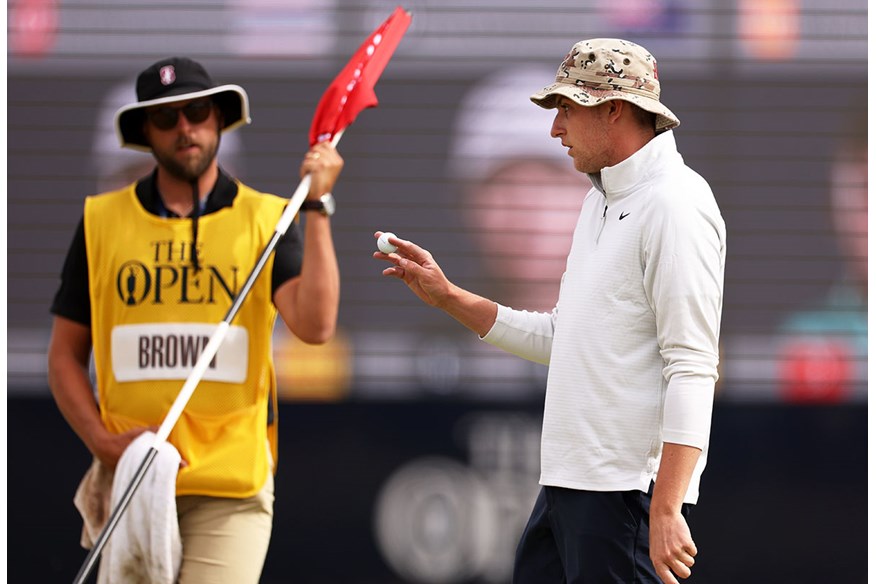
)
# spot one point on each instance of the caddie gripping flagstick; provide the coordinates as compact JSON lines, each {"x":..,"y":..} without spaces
{"x":351,"y":92}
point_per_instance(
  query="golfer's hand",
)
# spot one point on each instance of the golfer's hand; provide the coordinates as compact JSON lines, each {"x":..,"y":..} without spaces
{"x":417,"y":268}
{"x":672,"y":548}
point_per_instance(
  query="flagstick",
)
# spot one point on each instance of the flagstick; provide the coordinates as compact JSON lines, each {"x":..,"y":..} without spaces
{"x":194,"y":378}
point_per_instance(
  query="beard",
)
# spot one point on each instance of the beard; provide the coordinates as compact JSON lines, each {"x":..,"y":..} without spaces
{"x":192,"y":167}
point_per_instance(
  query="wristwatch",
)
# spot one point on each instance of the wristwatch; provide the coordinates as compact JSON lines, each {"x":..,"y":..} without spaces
{"x":325,"y":205}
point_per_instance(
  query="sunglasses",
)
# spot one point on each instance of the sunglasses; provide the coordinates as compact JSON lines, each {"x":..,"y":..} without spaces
{"x":166,"y":117}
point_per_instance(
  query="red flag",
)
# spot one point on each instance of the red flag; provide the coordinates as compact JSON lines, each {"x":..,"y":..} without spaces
{"x":353,"y":89}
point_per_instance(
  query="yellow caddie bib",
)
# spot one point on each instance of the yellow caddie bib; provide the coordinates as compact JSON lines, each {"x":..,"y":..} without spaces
{"x":152,"y":314}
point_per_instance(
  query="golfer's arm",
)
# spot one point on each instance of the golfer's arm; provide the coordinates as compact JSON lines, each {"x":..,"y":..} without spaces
{"x":474,"y":312}
{"x":68,"y":356}
{"x":677,"y":465}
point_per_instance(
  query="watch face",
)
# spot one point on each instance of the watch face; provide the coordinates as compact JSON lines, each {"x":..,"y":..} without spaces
{"x":328,"y":202}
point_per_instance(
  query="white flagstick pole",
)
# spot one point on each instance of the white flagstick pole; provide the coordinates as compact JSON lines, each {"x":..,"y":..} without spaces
{"x":194,"y":378}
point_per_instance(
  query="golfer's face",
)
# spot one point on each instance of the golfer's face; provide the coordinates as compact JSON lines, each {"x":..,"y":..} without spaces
{"x":584,"y":132}
{"x":184,"y":136}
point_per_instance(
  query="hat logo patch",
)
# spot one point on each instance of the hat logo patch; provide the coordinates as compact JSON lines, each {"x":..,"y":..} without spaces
{"x":167,"y":75}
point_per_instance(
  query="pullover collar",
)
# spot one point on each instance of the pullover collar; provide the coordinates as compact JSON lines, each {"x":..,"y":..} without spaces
{"x":615,"y":182}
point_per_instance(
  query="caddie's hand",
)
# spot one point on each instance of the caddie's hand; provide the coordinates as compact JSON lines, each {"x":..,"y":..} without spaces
{"x":417,"y":268}
{"x":672,"y":548}
{"x":323,"y":163}
{"x":110,"y":447}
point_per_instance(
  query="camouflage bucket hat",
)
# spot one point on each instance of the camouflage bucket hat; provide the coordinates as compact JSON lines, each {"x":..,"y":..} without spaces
{"x":600,"y":70}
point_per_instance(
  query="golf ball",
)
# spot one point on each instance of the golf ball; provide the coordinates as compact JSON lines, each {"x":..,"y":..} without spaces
{"x":384,"y":245}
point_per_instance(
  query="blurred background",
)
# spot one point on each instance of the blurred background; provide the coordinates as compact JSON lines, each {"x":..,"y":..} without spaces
{"x":409,"y":449}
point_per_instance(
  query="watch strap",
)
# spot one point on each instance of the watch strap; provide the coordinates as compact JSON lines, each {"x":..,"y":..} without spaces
{"x":312,"y":205}
{"x":325,"y":205}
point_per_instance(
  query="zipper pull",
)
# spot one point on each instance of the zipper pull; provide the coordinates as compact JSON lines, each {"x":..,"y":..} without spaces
{"x":601,"y":224}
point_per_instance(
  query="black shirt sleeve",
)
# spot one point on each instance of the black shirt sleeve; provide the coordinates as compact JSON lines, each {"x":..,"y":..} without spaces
{"x":72,"y":299}
{"x":288,"y":256}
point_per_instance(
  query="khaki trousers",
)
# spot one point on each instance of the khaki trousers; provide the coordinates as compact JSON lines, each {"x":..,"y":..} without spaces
{"x":225,"y":541}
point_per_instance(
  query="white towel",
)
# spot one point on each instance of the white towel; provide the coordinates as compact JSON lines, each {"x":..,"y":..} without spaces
{"x":145,"y":545}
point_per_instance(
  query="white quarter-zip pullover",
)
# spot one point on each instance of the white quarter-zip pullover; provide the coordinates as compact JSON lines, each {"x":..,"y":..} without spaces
{"x":632,"y":344}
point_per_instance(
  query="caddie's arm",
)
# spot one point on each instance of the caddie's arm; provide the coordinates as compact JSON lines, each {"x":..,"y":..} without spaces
{"x":309,"y":302}
{"x":68,"y":357}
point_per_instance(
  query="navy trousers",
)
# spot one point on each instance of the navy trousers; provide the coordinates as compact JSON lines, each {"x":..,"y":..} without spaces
{"x":586,"y":537}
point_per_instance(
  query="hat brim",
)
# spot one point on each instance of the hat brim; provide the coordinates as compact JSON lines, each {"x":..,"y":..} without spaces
{"x":232,"y":100}
{"x":589,"y":97}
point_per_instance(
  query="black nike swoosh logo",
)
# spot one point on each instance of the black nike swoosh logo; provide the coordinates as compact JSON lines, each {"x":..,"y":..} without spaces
{"x":622,"y":215}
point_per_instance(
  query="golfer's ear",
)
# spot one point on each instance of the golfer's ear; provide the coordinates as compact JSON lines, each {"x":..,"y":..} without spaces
{"x":615,"y":108}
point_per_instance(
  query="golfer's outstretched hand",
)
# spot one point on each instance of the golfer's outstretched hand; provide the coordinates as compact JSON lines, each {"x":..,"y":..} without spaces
{"x":418,"y":269}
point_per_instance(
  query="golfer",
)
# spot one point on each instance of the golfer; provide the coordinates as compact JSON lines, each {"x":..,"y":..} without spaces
{"x":632,"y":342}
